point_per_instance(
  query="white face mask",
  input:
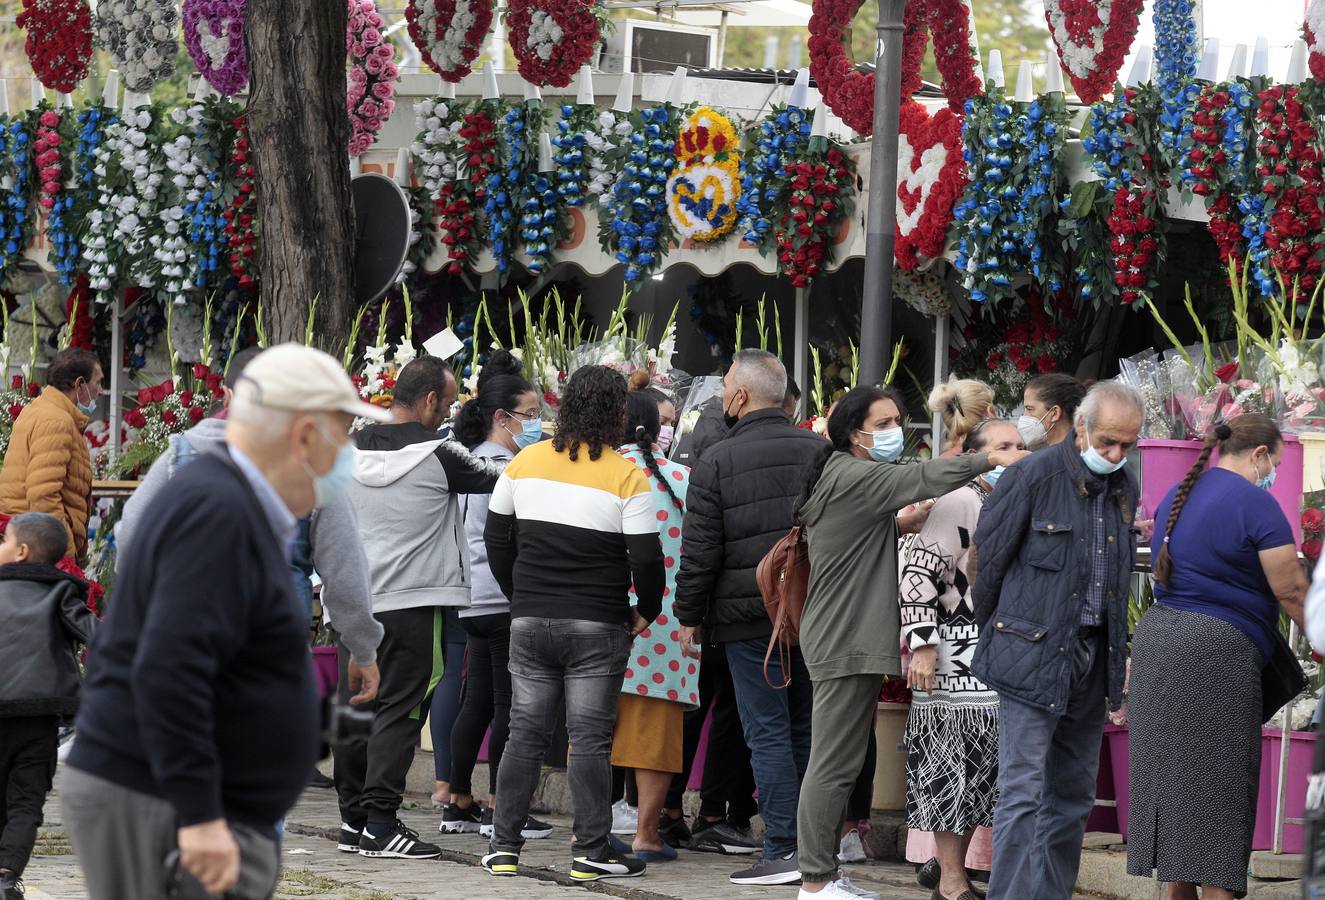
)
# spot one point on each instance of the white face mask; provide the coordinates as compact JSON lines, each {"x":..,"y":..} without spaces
{"x":665,"y":435}
{"x":1032,"y":430}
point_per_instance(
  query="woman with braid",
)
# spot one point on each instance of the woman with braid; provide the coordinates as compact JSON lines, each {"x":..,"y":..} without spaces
{"x":1225,"y":567}
{"x":661,"y":684}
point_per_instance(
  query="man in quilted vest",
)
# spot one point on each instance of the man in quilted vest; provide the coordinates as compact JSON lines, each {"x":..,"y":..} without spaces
{"x":47,"y":467}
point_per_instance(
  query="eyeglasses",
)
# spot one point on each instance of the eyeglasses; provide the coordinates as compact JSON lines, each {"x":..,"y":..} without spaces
{"x":523,"y":417}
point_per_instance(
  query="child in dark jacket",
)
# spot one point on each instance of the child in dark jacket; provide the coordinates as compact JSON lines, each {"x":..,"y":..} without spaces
{"x":46,"y":617}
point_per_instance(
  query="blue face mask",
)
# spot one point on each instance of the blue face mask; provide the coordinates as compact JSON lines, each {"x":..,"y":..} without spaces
{"x":1097,"y":463}
{"x":1268,"y":481}
{"x":331,"y":485}
{"x":991,"y":477}
{"x":90,"y":407}
{"x":530,"y":433}
{"x":887,"y":446}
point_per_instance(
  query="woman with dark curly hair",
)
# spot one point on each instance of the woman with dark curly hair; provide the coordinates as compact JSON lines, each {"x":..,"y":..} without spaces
{"x":571,"y":527}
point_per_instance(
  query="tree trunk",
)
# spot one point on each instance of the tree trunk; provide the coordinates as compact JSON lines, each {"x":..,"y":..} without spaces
{"x":299,"y":131}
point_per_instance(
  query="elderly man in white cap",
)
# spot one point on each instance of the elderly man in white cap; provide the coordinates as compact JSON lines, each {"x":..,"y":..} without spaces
{"x":199,"y":720}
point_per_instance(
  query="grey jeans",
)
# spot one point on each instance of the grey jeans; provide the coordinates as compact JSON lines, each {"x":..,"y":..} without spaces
{"x":584,"y":663}
{"x":123,"y":838}
{"x":1046,"y":784}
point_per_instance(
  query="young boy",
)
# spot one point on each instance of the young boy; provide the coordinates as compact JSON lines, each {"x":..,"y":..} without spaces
{"x":46,"y":617}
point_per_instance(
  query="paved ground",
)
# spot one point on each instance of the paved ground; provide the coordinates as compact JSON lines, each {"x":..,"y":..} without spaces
{"x":315,"y":869}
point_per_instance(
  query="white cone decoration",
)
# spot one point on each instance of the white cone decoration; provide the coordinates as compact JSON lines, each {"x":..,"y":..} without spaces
{"x":1297,"y":63}
{"x":110,"y":94}
{"x":532,"y":94}
{"x":447,"y":91}
{"x":356,"y":167}
{"x":1025,"y":82}
{"x":38,"y":93}
{"x":676,"y":90}
{"x":625,"y":95}
{"x":1053,"y":74}
{"x":544,"y":152}
{"x":402,"y":167}
{"x":1260,"y":58}
{"x":1209,"y":68}
{"x":4,"y":99}
{"x":995,"y":68}
{"x":800,"y":90}
{"x":66,"y":101}
{"x":133,"y":100}
{"x":584,"y":87}
{"x":820,"y":127}
{"x":1238,"y":67}
{"x":1140,"y":72}
{"x":490,"y":89}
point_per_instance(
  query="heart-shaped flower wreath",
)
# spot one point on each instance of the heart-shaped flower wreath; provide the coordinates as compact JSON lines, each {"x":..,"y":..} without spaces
{"x":930,"y":177}
{"x":214,"y":34}
{"x":551,"y":39}
{"x":1092,"y":37}
{"x":449,"y":33}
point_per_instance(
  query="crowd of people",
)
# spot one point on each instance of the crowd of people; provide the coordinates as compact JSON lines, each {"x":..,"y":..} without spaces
{"x":498,"y":581}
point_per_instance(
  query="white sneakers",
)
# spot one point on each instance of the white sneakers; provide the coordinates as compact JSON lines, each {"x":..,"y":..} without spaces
{"x":841,"y":889}
{"x":852,"y":850}
{"x":625,"y":818}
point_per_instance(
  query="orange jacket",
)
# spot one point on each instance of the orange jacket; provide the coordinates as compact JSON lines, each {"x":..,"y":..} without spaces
{"x":48,"y":467}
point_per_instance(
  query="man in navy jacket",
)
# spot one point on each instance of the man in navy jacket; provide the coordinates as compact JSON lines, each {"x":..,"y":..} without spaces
{"x":199,"y":721}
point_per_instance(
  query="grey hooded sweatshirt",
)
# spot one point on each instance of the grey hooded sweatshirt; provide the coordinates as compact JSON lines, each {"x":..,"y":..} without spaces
{"x":406,"y":491}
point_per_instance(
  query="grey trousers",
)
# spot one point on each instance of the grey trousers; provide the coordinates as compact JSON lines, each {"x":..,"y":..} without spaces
{"x":123,"y":838}
{"x":1046,"y":784}
{"x":839,"y":739}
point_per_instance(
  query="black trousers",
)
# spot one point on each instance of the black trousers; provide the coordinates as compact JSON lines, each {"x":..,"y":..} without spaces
{"x":729,"y":782}
{"x":485,"y":700}
{"x":28,"y":747}
{"x":370,"y":771}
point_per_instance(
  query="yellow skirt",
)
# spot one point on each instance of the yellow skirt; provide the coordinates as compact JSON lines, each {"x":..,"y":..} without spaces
{"x":649,"y":734}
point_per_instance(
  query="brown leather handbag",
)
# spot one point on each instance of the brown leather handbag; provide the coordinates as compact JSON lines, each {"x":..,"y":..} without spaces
{"x":783,"y":576}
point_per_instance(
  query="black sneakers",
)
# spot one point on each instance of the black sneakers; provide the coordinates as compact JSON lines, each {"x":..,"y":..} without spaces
{"x":674,"y":831}
{"x":349,"y":838}
{"x":606,"y":865}
{"x":399,"y":842}
{"x":485,"y":827}
{"x":502,"y":864}
{"x":722,"y":837}
{"x":535,"y":830}
{"x":462,"y":821}
{"x":11,"y":886}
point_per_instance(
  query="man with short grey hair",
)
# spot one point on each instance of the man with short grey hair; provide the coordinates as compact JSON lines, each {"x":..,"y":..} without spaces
{"x":199,"y":721}
{"x":1055,"y":548}
{"x":739,"y":504}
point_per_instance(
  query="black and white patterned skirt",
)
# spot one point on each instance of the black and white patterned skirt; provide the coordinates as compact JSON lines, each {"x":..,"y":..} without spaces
{"x":951,"y":764}
{"x":1194,"y":723}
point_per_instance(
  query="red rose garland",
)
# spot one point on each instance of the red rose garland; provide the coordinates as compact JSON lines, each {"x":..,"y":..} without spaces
{"x":820,"y":185}
{"x":926,"y":189}
{"x":459,"y":201}
{"x":1206,"y":169}
{"x":59,"y":41}
{"x":1131,"y":224}
{"x":850,"y":93}
{"x":551,"y":39}
{"x":1289,"y":168}
{"x":449,"y":33}
{"x":241,"y":215}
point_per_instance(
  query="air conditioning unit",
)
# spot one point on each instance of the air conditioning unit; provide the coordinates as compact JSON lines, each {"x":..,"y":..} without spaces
{"x":639,"y":46}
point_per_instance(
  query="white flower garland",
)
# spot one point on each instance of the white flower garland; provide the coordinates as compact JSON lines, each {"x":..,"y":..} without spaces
{"x":188,"y":180}
{"x":439,"y":145}
{"x":142,"y":37}
{"x":544,"y":34}
{"x":613,"y":131}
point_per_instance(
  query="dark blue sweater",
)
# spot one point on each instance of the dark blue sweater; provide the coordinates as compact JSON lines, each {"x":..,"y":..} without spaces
{"x":199,"y":685}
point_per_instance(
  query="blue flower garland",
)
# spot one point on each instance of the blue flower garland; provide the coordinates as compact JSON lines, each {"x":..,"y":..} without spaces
{"x":213,"y":136}
{"x":638,"y":225}
{"x":1042,"y":127}
{"x":570,"y":156}
{"x":1177,"y":52}
{"x":540,"y":216}
{"x":1237,"y":139}
{"x":18,"y":222}
{"x":1107,"y":142}
{"x":506,"y":186}
{"x":989,"y":216}
{"x":763,"y":172}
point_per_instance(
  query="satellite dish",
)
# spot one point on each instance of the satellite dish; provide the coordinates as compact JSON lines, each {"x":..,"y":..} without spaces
{"x":382,"y":232}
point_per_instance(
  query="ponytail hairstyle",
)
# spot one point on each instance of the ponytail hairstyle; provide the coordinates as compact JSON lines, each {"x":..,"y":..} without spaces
{"x":500,"y":362}
{"x":642,"y":424}
{"x":1060,"y":390}
{"x":1238,"y":436}
{"x":962,"y":403}
{"x":499,"y":393}
{"x":847,"y":418}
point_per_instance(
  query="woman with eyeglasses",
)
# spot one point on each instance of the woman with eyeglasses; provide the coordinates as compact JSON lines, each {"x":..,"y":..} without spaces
{"x":497,"y":424}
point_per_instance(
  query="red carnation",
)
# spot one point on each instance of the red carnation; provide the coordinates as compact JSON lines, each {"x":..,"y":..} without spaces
{"x":195,"y":414}
{"x":1312,"y":520}
{"x":168,"y":417}
{"x":1227,"y":372}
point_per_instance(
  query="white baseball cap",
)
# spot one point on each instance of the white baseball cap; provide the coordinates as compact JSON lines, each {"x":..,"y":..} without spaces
{"x":300,"y":379}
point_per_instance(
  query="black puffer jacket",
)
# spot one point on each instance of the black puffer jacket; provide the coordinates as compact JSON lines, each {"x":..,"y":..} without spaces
{"x":46,"y":617}
{"x":737,"y":507}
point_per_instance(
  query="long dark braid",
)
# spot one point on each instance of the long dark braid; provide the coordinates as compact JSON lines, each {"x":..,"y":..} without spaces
{"x":1239,"y":435}
{"x":642,"y":416}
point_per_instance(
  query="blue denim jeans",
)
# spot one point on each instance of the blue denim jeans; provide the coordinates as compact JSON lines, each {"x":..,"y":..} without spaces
{"x":584,"y":663}
{"x":1046,"y":784}
{"x":777,"y":729}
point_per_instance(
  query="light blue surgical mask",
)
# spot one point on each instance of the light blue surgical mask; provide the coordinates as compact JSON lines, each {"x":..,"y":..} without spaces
{"x":337,"y":479}
{"x":90,"y":407}
{"x":991,"y":477}
{"x":1097,"y":463}
{"x":530,"y":433}
{"x":1267,"y":481}
{"x":887,"y":444}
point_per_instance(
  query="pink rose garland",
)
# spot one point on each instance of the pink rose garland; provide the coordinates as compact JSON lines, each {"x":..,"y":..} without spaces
{"x":372,"y":89}
{"x":50,"y":173}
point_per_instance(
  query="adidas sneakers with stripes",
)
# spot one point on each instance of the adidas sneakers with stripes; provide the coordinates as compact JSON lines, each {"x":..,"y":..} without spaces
{"x":400,"y":842}
{"x":349,"y":838}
